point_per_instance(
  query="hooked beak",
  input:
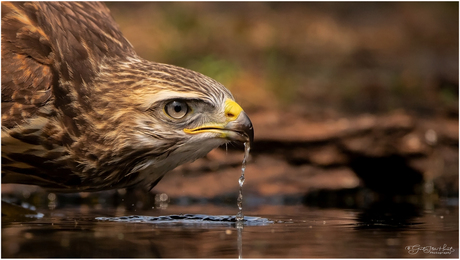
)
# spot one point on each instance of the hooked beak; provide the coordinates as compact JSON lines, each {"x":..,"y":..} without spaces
{"x":238,"y":126}
{"x":240,"y":129}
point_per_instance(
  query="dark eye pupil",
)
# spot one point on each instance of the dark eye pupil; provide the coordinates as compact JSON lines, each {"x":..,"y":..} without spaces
{"x":176,"y":109}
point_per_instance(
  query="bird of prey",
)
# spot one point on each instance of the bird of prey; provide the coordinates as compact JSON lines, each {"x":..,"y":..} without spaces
{"x":81,"y":111}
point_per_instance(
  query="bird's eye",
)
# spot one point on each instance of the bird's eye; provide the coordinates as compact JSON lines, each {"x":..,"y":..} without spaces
{"x":176,"y":109}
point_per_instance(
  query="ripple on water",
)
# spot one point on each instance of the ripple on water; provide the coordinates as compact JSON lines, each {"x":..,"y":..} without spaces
{"x":189,"y":219}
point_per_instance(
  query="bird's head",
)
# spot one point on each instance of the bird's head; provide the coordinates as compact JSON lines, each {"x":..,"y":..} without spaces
{"x":170,"y":115}
{"x":86,"y":113}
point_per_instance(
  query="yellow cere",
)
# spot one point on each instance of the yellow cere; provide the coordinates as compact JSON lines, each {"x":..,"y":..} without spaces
{"x":232,"y":110}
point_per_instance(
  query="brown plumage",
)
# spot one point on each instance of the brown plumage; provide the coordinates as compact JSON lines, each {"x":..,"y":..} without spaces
{"x":82,"y":112}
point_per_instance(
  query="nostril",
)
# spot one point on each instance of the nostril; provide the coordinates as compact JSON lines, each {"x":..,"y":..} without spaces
{"x":230,"y":115}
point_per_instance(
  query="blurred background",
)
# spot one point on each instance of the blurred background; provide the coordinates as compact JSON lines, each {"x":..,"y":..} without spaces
{"x":350,"y":102}
{"x":355,"y":111}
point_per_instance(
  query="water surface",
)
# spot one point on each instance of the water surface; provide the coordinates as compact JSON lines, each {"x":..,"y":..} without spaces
{"x":294,"y":231}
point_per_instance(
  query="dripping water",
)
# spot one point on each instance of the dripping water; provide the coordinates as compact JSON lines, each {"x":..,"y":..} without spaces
{"x":239,"y":227}
{"x":240,"y":216}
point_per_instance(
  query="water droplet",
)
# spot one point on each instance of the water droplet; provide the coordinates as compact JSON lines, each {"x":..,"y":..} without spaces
{"x":163,"y":197}
{"x":52,"y":197}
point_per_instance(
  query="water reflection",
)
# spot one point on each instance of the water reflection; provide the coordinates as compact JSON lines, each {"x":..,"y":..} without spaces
{"x":208,"y":221}
{"x":389,"y":215}
{"x":105,"y":226}
{"x":296,"y":231}
{"x":193,"y":220}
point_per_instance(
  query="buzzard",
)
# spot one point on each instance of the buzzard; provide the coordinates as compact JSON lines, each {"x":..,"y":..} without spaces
{"x":81,"y":111}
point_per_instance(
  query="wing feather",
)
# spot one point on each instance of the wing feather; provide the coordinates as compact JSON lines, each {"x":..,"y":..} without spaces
{"x":26,"y":73}
{"x":45,"y":44}
{"x":51,"y":52}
